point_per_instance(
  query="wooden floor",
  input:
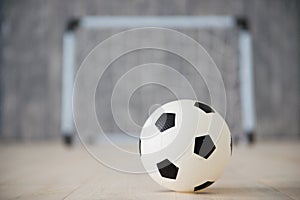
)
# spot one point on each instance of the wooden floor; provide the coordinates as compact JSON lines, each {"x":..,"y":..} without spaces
{"x":51,"y":171}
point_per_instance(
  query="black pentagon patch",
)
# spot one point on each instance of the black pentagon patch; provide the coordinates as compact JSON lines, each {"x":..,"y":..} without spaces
{"x":167,"y":169}
{"x":165,"y":121}
{"x":202,"y":186}
{"x":204,"y":107}
{"x":204,"y":146}
{"x":140,"y":147}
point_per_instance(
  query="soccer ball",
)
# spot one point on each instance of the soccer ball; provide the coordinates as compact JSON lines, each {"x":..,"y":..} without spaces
{"x":185,"y":145}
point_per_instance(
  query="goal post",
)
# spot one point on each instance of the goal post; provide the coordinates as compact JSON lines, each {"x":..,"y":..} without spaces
{"x":181,"y":22}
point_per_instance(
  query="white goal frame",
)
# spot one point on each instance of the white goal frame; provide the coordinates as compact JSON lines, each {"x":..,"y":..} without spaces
{"x":187,"y":22}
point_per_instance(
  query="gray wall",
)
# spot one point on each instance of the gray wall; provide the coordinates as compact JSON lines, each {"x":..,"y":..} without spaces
{"x":31,"y":35}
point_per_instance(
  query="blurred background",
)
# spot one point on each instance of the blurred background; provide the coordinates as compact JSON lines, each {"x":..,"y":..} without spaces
{"x":31,"y":63}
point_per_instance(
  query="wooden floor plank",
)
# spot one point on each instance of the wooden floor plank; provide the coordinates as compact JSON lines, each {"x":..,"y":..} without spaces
{"x":50,"y":171}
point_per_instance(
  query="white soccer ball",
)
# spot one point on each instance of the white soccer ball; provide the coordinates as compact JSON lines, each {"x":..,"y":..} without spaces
{"x":185,"y":145}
